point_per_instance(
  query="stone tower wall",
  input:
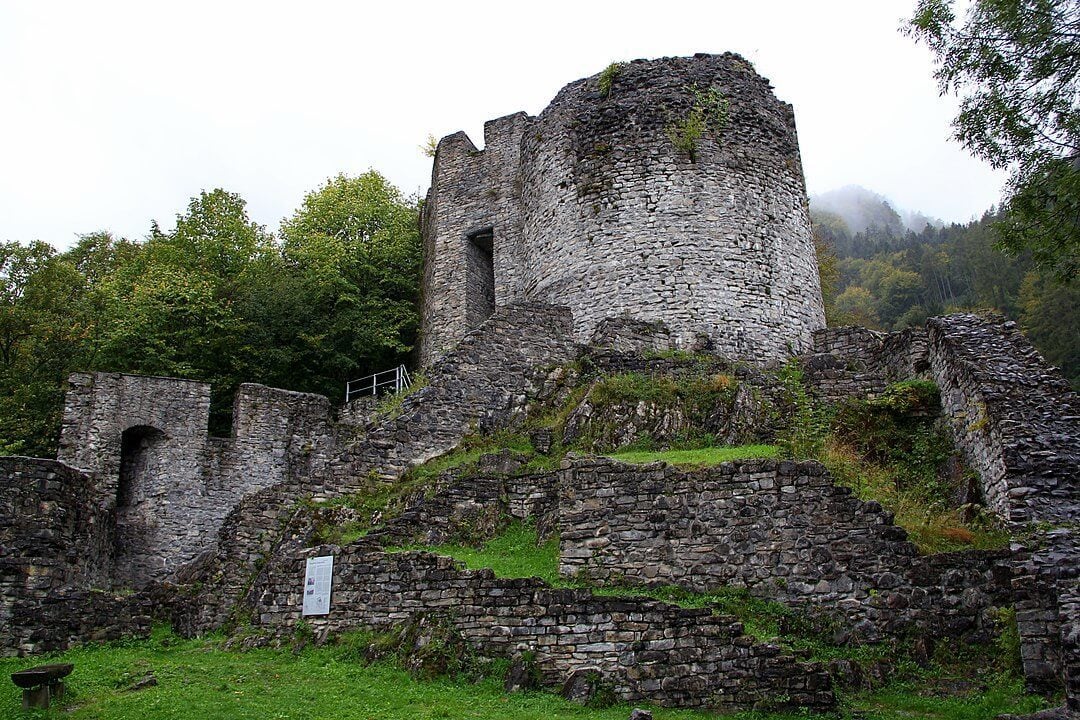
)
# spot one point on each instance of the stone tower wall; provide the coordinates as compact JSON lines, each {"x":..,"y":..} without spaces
{"x":591,"y":206}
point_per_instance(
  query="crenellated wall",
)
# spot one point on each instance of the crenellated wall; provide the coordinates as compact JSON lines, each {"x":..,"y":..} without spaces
{"x":164,"y":483}
{"x":591,"y":205}
{"x":483,"y":384}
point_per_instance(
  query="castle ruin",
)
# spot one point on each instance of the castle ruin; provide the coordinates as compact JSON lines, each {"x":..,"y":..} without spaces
{"x":573,"y":248}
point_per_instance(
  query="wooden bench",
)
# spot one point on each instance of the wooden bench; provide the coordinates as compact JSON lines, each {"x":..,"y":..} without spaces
{"x":42,"y":683}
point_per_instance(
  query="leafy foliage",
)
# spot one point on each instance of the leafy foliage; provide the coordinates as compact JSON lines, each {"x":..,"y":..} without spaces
{"x":1016,"y":66}
{"x":889,"y":281}
{"x":708,"y":113}
{"x":608,"y":75}
{"x":216,"y":299}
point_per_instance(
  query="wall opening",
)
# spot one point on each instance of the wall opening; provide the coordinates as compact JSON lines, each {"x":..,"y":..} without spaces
{"x":480,"y":276}
{"x":137,"y":445}
{"x":142,"y":460}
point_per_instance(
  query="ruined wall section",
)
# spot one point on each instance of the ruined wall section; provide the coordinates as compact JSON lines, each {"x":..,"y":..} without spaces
{"x":472,"y":233}
{"x":1018,"y":423}
{"x":143,"y":440}
{"x":1015,"y":417}
{"x":645,"y":650}
{"x":99,"y":407}
{"x":168,"y":486}
{"x":481,"y":385}
{"x":617,"y":221}
{"x":52,"y":534}
{"x":854,"y":362}
{"x":781,"y":529}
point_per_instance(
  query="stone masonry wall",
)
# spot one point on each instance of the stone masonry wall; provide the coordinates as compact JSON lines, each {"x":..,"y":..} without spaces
{"x":482,"y":384}
{"x":68,"y":616}
{"x":144,"y":443}
{"x":53,"y":534}
{"x":854,"y":362}
{"x":1018,"y":424}
{"x":593,"y":207}
{"x":99,"y":407}
{"x":1014,"y":417}
{"x":645,"y":649}
{"x":781,"y":529}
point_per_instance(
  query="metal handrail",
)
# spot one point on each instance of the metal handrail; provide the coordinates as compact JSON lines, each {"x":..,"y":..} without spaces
{"x":394,"y":380}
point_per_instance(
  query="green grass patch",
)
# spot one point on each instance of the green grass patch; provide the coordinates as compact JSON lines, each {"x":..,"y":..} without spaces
{"x":196,"y":678}
{"x":516,"y":552}
{"x":389,"y":407}
{"x":701,"y":457}
{"x":931,"y":700}
{"x":918,"y":507}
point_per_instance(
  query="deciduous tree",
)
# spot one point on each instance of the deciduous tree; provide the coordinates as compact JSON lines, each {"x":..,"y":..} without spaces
{"x":1016,"y":66}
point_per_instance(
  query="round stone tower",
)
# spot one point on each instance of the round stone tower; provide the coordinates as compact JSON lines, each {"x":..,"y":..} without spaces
{"x":667,"y":190}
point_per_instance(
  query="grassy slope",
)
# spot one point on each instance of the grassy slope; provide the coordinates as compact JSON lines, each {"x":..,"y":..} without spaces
{"x":196,"y":679}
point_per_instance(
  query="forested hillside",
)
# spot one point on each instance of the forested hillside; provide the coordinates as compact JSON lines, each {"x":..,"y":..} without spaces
{"x":885,"y":276}
{"x":219,"y":298}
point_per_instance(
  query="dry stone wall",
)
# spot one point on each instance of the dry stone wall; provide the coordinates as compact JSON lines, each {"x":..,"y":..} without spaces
{"x":53,"y":534}
{"x":69,"y":616}
{"x":781,"y":529}
{"x":645,"y":650}
{"x":1015,"y":418}
{"x":591,"y":205}
{"x":854,"y":362}
{"x":1018,"y":423}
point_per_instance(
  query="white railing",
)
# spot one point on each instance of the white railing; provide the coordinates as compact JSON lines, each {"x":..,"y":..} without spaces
{"x":386,"y":381}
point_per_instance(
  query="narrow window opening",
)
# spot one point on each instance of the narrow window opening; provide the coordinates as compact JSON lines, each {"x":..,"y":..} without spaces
{"x":136,"y":453}
{"x":480,"y":277}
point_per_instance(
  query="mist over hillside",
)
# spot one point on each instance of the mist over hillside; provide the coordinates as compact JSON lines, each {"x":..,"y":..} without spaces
{"x":887,"y":268}
{"x":863,"y":210}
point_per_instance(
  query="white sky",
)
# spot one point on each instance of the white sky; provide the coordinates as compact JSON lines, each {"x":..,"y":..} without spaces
{"x":116,"y":113}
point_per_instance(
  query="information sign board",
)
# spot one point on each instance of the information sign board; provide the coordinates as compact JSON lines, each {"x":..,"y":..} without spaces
{"x":317,"y":581}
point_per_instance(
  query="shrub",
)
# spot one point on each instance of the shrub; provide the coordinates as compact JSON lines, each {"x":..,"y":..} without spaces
{"x":608,"y":75}
{"x":708,"y":113}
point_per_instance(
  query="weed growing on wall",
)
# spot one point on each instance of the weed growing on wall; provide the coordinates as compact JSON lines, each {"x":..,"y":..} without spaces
{"x":808,"y":425}
{"x":390,"y":405}
{"x":608,"y":75}
{"x":708,"y":113}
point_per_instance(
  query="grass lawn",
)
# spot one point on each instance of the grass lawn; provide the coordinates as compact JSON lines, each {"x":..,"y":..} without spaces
{"x":702,"y":457}
{"x":197,"y":679}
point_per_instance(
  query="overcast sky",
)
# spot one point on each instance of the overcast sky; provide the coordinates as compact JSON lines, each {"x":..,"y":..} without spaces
{"x":113,"y":114}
